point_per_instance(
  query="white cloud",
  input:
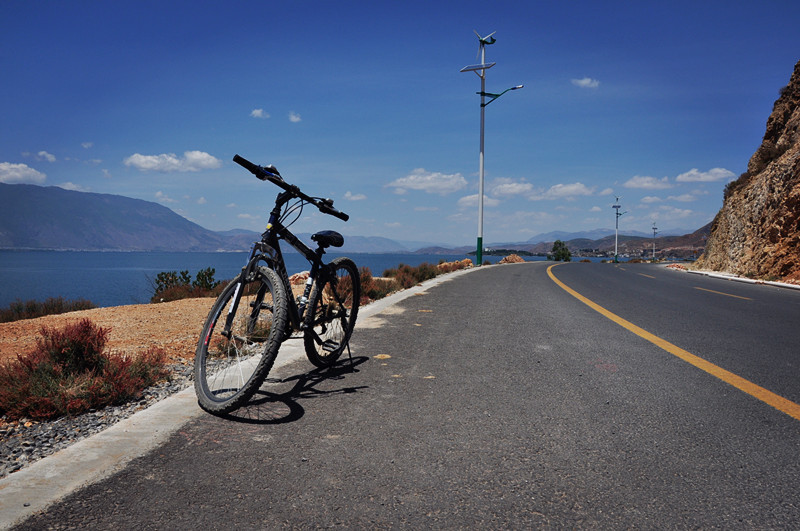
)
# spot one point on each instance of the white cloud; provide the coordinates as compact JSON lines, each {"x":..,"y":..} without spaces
{"x":86,"y":145}
{"x":248,"y":216}
{"x":431,"y":182}
{"x":684,"y":198}
{"x":426,"y":209}
{"x":20,"y":173}
{"x":393,"y":225}
{"x":202,"y":201}
{"x":231,"y":205}
{"x":354,"y":197}
{"x":507,"y":188}
{"x":564,"y":191}
{"x":161,"y":197}
{"x":651,"y":199}
{"x":595,"y":209}
{"x":294,"y":117}
{"x":169,"y":162}
{"x":671,"y":212}
{"x":714,"y":174}
{"x":647,"y":183}
{"x":106,"y":173}
{"x":472,"y":201}
{"x":44,"y":155}
{"x":586,"y":82}
{"x":607,"y":191}
{"x":259,"y":113}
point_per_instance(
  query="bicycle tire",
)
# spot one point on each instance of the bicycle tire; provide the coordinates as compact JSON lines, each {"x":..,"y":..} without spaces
{"x":228,"y":371}
{"x":332,"y":312}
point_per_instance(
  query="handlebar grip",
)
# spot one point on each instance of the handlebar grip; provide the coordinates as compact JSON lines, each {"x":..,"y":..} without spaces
{"x":252,"y":168}
{"x":325,"y":209}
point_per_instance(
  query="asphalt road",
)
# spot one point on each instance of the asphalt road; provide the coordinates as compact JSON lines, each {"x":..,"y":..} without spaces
{"x":500,"y":400}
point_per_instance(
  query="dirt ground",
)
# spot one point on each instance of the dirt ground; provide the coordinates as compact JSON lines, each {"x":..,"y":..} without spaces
{"x":173,"y":326}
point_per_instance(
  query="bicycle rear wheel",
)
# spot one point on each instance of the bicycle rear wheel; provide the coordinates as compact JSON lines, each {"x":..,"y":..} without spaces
{"x":229,"y":368}
{"x":332,"y":312}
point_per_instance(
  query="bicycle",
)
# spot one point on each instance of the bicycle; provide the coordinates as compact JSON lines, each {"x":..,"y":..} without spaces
{"x":259,"y":310}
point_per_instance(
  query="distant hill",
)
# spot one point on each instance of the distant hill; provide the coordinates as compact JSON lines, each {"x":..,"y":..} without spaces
{"x":39,"y":217}
{"x":48,"y":217}
{"x":566,"y":236}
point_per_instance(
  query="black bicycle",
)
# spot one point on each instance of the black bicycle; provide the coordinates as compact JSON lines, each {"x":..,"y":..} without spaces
{"x":258,"y":311}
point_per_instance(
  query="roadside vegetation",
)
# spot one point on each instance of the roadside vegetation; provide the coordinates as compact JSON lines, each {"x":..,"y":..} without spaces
{"x":172,"y":286}
{"x":560,"y":252}
{"x":32,"y":309}
{"x":403,"y":277}
{"x":68,"y":373}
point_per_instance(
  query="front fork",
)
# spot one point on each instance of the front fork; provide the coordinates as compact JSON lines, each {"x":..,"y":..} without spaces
{"x":247,"y":271}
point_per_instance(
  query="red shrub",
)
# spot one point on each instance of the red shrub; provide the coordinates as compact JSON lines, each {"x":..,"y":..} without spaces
{"x":68,"y":373}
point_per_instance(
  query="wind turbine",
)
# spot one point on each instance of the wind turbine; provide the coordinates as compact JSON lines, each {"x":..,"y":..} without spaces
{"x":483,"y":42}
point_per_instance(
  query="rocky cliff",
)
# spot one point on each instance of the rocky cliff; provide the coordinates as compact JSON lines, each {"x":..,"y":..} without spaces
{"x":757,"y":231}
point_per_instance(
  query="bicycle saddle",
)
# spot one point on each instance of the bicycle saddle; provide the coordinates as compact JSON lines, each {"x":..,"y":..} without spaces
{"x":328,"y":238}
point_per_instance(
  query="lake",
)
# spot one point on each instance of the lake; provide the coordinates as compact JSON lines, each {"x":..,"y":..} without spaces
{"x":120,"y":278}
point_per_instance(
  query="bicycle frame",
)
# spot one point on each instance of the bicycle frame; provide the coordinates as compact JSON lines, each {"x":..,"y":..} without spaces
{"x":268,"y":250}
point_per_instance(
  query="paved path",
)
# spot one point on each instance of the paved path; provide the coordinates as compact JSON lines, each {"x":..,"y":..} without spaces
{"x":492,"y":400}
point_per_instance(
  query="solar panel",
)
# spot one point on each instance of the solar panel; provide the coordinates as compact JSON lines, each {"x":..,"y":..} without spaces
{"x":472,"y":68}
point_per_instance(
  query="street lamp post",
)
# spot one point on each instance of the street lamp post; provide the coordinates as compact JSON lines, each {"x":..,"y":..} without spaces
{"x":655,"y":230}
{"x":480,"y":70}
{"x":617,"y":215}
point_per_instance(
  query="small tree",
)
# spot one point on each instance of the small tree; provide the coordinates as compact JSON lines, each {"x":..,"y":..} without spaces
{"x":205,"y":279}
{"x":560,"y":252}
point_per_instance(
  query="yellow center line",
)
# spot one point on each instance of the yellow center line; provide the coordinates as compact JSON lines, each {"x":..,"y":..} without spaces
{"x":648,"y":276}
{"x":720,"y":293}
{"x":768,"y":397}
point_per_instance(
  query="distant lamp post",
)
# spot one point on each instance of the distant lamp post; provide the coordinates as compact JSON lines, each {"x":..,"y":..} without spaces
{"x":617,"y":215}
{"x":655,"y":231}
{"x":480,"y":70}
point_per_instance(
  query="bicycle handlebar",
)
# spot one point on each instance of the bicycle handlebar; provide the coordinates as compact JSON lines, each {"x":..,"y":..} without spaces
{"x":265,"y":175}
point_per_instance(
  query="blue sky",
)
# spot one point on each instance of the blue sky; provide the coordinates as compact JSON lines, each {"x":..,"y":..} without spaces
{"x":661,"y":103}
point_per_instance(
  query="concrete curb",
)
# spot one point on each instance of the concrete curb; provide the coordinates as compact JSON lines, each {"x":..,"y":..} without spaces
{"x":729,"y":276}
{"x":46,"y":481}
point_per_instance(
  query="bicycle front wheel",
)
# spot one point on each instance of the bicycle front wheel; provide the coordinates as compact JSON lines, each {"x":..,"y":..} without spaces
{"x":231,"y":364}
{"x":332,"y":311}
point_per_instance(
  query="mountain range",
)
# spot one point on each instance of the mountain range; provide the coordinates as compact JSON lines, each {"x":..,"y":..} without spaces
{"x":49,"y":217}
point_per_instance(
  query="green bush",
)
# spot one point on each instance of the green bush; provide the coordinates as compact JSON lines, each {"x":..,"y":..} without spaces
{"x":67,"y":373}
{"x":560,"y":252}
{"x":205,"y":279}
{"x":31,"y":309}
{"x":172,"y":285}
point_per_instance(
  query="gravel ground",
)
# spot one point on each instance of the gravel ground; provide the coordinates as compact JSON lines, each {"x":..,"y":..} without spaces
{"x":23,"y":442}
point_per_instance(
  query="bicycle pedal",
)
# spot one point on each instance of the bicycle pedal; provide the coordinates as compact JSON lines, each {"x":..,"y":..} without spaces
{"x":330,"y":345}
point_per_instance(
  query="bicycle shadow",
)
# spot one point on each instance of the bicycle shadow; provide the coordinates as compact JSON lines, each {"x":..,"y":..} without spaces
{"x":270,"y":407}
